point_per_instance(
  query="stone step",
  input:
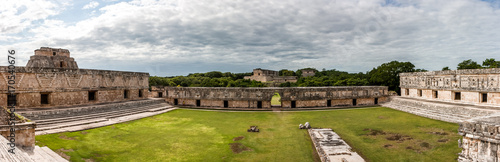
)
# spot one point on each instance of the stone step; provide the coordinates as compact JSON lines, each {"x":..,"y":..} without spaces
{"x":56,"y":157}
{"x":100,"y":116}
{"x":75,"y":123}
{"x":35,"y":114}
{"x":159,"y":109}
{"x":90,"y":116}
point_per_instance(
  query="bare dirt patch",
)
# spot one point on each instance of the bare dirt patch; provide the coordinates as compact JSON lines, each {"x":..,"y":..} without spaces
{"x":62,"y":136}
{"x":374,"y":132}
{"x":387,"y":145}
{"x":398,"y":137}
{"x":383,"y":117}
{"x":439,"y":133}
{"x":61,"y":152}
{"x":238,"y":138}
{"x":84,"y":132}
{"x":443,"y":140}
{"x":238,"y":148}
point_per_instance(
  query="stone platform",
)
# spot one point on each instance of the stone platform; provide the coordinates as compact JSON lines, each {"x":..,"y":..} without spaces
{"x":38,"y":154}
{"x":86,"y":117}
{"x":331,"y":147}
{"x":439,"y":110}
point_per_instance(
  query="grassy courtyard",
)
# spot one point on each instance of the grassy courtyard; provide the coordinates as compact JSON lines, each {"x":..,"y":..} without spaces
{"x":378,"y":134}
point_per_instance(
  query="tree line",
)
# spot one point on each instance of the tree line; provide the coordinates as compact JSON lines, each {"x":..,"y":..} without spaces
{"x":469,"y":64}
{"x":386,"y":74}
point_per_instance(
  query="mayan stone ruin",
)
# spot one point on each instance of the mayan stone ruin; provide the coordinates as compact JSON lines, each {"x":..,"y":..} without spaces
{"x":470,"y":97}
{"x":264,"y":75}
{"x":52,"y":78}
{"x":291,"y":97}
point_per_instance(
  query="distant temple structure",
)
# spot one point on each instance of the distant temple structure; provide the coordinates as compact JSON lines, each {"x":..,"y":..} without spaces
{"x":264,"y":75}
{"x":308,"y":72}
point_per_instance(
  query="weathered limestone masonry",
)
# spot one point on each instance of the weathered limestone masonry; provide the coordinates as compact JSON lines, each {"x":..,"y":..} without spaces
{"x":478,"y":86}
{"x":448,"y":91}
{"x":291,"y":97}
{"x":264,"y":75}
{"x":43,"y":84}
{"x":481,"y":140}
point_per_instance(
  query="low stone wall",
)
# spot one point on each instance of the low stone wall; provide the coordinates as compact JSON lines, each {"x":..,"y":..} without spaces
{"x":481,"y":139}
{"x":291,"y":97}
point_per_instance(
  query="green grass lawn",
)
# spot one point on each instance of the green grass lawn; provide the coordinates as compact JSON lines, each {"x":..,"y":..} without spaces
{"x":193,"y":135}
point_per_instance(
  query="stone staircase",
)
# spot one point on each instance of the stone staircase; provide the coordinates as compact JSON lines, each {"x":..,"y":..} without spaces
{"x":39,"y":154}
{"x":86,"y":117}
{"x":439,"y":110}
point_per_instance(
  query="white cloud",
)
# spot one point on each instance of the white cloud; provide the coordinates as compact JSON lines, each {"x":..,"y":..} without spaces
{"x":193,"y":35}
{"x":91,"y":5}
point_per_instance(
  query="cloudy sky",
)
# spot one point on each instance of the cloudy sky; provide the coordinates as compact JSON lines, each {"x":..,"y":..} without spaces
{"x":169,"y":37}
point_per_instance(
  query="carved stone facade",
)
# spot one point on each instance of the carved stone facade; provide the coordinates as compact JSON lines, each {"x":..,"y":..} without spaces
{"x":478,"y":86}
{"x":291,"y":97}
{"x":481,"y":140}
{"x":264,"y":75}
{"x":44,"y":84}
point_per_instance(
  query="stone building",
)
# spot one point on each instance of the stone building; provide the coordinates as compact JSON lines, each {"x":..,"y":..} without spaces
{"x":308,"y":72}
{"x":260,"y":97}
{"x":476,"y":86}
{"x":264,"y":75}
{"x":52,"y":78}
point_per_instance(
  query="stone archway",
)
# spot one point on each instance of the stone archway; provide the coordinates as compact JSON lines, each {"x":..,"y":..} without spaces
{"x":276,"y":100}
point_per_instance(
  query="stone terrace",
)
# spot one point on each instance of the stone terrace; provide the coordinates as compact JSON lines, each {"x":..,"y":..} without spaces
{"x":39,"y":154}
{"x":87,"y":117}
{"x":444,"y":111}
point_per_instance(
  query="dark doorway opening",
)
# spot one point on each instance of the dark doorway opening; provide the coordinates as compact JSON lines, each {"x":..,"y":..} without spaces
{"x":458,"y":96}
{"x":125,"y":94}
{"x":435,"y":94}
{"x":259,"y":104}
{"x":92,"y":96}
{"x":329,"y":103}
{"x":294,"y":104}
{"x":176,"y":102}
{"x":376,"y":101}
{"x":160,"y":94}
{"x":140,"y":93}
{"x":53,"y":53}
{"x":198,"y":103}
{"x":485,"y":97}
{"x":44,"y":99}
{"x":11,"y":100}
{"x":354,"y":102}
{"x":226,"y":104}
{"x":61,"y":64}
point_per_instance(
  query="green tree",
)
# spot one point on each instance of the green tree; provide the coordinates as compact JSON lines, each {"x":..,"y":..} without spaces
{"x":445,"y":68}
{"x":491,"y":63}
{"x":469,"y":64}
{"x":286,"y":72}
{"x":387,"y":74}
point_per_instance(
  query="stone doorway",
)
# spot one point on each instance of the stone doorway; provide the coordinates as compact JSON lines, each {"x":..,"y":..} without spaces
{"x":276,"y":100}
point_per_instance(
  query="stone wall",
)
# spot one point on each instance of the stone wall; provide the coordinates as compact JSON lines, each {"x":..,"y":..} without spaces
{"x":66,"y":87}
{"x":479,"y":86}
{"x":290,"y":96}
{"x":481,"y":140}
